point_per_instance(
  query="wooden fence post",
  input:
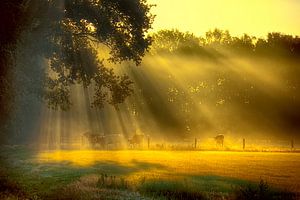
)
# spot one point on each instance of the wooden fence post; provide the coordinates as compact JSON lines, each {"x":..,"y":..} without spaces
{"x":292,"y":144}
{"x":244,"y":143}
{"x":196,"y":143}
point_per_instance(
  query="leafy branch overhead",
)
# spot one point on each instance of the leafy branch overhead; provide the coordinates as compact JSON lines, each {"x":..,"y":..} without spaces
{"x":71,"y":28}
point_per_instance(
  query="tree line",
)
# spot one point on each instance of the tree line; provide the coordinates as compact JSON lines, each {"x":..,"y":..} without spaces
{"x":275,"y":43}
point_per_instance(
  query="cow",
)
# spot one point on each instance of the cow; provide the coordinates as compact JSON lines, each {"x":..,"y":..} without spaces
{"x":114,"y":141}
{"x":136,"y":141}
{"x":219,"y":140}
{"x":110,"y":141}
{"x":95,"y":139}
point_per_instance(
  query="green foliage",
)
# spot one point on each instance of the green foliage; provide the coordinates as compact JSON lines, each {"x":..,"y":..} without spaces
{"x":254,"y":192}
{"x":11,"y":24}
{"x":113,"y":182}
{"x":217,"y":37}
{"x":10,"y":189}
{"x":67,"y":33}
{"x":58,"y":95}
{"x":119,"y":25}
{"x":174,"y":41}
{"x":47,"y":46}
{"x":119,"y":87}
{"x":261,"y":191}
{"x":170,"y":190}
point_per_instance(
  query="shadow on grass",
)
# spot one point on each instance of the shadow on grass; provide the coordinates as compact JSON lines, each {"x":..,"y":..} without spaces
{"x":22,"y":173}
{"x":61,"y":180}
{"x":132,"y":167}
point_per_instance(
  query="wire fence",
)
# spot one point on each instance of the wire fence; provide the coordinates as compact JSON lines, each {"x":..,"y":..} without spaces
{"x":204,"y":144}
{"x":229,"y":145}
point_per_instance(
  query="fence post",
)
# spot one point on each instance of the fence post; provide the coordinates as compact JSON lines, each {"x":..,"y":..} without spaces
{"x":81,"y":141}
{"x":195,"y":143}
{"x":292,"y":145}
{"x":244,"y":143}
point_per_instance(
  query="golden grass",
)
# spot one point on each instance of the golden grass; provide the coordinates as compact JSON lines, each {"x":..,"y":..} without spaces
{"x":278,"y":169}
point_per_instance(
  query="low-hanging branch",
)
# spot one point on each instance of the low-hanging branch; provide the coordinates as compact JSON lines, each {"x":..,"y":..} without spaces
{"x":70,"y":28}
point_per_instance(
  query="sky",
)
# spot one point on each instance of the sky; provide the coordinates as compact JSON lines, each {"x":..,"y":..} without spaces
{"x":254,"y":17}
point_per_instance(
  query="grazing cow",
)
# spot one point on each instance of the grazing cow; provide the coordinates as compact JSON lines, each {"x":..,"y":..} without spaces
{"x":136,"y":141}
{"x":219,"y":140}
{"x":95,"y":139}
{"x":111,"y":141}
{"x":114,"y":141}
{"x":160,"y":146}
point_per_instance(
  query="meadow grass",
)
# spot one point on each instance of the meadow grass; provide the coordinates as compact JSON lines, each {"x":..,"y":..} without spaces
{"x":146,"y":175}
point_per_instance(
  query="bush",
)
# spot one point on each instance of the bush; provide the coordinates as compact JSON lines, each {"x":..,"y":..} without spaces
{"x":262,"y":191}
{"x":112,"y":182}
{"x":170,"y":190}
{"x":10,"y":189}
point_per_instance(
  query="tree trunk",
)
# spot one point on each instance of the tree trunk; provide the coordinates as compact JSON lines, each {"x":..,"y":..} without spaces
{"x":123,"y":126}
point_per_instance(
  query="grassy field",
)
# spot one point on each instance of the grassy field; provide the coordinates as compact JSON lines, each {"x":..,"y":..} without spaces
{"x":142,"y":174}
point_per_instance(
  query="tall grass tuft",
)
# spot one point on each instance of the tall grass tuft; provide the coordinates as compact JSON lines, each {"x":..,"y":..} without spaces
{"x":170,"y":190}
{"x":262,"y":191}
{"x":112,"y":182}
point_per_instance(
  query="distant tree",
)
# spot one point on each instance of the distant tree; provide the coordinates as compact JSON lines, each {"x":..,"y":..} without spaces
{"x":279,"y":44}
{"x":282,"y":41}
{"x":217,"y":37}
{"x":173,"y":41}
{"x":245,"y":42}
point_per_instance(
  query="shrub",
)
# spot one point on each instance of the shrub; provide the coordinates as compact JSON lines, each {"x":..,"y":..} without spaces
{"x":170,"y":190}
{"x":112,"y":182}
{"x":261,"y":191}
{"x":10,"y":189}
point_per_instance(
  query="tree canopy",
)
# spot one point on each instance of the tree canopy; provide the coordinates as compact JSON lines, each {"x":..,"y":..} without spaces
{"x":174,"y":41}
{"x":74,"y":27}
{"x":65,"y":34}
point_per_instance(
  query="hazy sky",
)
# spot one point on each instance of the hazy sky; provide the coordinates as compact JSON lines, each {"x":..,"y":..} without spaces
{"x":255,"y":17}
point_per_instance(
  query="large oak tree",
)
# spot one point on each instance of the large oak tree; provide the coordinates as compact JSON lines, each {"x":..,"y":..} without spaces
{"x":65,"y":34}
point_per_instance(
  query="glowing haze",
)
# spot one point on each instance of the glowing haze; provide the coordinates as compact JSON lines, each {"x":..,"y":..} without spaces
{"x":255,"y":17}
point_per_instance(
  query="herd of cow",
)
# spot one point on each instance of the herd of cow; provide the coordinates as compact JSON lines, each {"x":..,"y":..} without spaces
{"x":117,"y":141}
{"x":111,"y":141}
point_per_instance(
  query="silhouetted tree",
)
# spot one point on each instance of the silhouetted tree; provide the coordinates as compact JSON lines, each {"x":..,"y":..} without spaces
{"x":173,"y":41}
{"x":12,"y":22}
{"x":279,"y":44}
{"x":60,"y":41}
{"x":243,"y":43}
{"x":217,"y":37}
{"x":71,"y":29}
{"x":75,"y":28}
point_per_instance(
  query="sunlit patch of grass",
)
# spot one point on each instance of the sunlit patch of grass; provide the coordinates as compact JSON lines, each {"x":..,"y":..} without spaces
{"x":277,"y":168}
{"x":142,"y":172}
